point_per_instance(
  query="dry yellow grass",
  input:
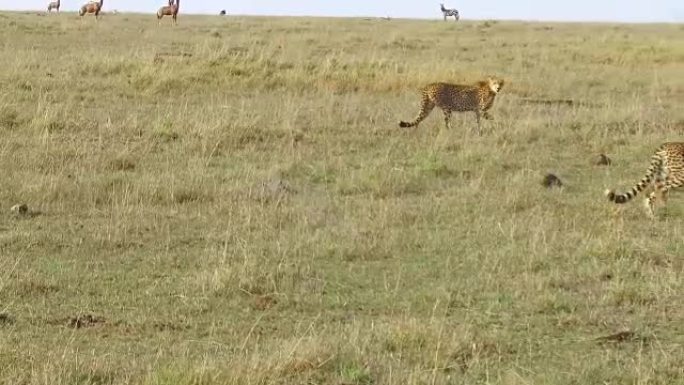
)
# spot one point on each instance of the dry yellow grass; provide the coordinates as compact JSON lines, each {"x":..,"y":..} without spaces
{"x":231,"y":201}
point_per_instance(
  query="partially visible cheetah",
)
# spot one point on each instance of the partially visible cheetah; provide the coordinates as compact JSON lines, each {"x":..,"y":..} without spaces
{"x":478,"y":98}
{"x":666,"y":171}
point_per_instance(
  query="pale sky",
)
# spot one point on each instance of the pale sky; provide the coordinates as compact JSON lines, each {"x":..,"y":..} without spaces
{"x":551,"y":10}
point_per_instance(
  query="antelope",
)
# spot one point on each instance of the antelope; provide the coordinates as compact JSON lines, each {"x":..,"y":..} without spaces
{"x":169,"y":10}
{"x":91,"y":7}
{"x":53,"y":5}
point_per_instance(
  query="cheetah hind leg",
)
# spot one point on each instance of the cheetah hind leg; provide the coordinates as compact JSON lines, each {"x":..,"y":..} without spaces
{"x":650,"y":200}
{"x":478,"y":115}
{"x":649,"y":205}
{"x":447,"y":119}
{"x":659,"y":193}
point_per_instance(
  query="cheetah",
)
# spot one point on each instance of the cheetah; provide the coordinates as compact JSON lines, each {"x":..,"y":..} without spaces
{"x":666,"y":171}
{"x":478,"y":98}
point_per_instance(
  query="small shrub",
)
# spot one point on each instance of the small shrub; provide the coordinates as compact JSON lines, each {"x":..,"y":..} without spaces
{"x":353,"y":373}
{"x":9,"y":119}
{"x":55,"y":126}
{"x":122,"y":164}
{"x":186,"y":196}
{"x":166,"y":135}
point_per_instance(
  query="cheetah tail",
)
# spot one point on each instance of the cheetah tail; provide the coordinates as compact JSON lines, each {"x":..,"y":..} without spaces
{"x":425,"y":109}
{"x":629,"y":195}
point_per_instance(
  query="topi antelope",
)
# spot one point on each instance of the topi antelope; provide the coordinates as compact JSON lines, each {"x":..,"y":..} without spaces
{"x":169,"y":10}
{"x":53,"y":5}
{"x":91,"y":7}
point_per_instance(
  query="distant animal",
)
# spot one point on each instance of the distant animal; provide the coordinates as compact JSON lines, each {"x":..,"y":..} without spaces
{"x":169,"y":10}
{"x":551,"y":180}
{"x":53,"y":5}
{"x":91,"y":7}
{"x":223,"y":12}
{"x":449,"y":12}
{"x":478,"y":98}
{"x":666,"y":172}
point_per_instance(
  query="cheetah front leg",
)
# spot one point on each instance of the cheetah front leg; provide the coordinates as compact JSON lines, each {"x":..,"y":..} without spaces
{"x":478,"y":116}
{"x":485,"y":111}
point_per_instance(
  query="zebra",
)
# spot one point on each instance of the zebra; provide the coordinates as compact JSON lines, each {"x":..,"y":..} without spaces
{"x":449,"y":12}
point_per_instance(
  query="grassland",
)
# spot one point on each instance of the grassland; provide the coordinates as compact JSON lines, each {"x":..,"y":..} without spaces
{"x":231,"y":201}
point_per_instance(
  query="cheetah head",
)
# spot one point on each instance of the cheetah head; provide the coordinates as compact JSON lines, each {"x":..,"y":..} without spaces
{"x":495,"y":84}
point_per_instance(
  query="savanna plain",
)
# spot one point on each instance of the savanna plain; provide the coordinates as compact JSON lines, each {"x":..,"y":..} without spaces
{"x":231,"y":201}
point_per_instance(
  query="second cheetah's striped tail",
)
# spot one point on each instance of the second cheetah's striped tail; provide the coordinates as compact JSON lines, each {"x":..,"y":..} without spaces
{"x":425,"y":109}
{"x":643,"y":183}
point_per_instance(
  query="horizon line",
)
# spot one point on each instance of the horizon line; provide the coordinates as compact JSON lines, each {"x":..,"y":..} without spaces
{"x":385,"y":17}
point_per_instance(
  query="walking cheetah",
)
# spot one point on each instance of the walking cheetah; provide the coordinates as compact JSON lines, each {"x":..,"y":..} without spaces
{"x":666,"y":171}
{"x":478,"y":98}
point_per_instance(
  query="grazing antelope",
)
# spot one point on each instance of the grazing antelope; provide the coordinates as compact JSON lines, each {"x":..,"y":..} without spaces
{"x":53,"y":5}
{"x":169,"y":10}
{"x":449,"y":12}
{"x":91,"y":7}
{"x":223,"y":12}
